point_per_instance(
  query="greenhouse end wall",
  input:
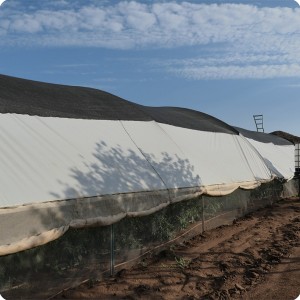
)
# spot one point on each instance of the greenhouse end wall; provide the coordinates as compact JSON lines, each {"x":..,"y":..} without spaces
{"x":94,"y":253}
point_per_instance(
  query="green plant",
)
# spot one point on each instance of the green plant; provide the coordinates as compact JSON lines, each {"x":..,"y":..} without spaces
{"x":182,"y":263}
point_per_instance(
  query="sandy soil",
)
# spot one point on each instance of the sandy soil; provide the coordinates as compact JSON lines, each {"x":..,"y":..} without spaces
{"x":257,"y":257}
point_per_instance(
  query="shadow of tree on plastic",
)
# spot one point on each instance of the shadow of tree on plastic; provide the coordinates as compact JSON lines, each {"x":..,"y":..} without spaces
{"x":122,"y":170}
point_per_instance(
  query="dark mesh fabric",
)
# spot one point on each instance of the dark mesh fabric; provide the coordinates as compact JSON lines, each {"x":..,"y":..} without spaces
{"x":263,"y":137}
{"x":29,"y":97}
{"x":52,"y":100}
{"x":188,"y":118}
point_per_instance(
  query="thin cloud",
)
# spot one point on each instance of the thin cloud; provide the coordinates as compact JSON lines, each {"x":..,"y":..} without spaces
{"x":227,"y":65}
{"x":239,"y":72}
{"x":295,"y":85}
{"x":267,"y":39}
{"x":143,"y":25}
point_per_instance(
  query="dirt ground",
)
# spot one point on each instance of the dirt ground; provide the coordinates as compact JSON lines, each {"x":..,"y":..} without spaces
{"x":257,"y":257}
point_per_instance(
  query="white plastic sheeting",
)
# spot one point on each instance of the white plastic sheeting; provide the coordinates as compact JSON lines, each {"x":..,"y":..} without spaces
{"x":43,"y":159}
{"x":219,"y":158}
{"x":58,"y":172}
{"x":278,"y":158}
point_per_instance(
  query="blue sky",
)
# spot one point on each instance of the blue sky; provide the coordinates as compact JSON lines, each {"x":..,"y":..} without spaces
{"x":230,"y":59}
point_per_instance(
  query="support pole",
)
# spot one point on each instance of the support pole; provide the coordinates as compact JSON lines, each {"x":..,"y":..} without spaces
{"x":112,"y":249}
{"x":203,"y":221}
{"x":299,"y":185}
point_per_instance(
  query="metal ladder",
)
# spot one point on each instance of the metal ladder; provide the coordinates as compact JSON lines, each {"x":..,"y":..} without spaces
{"x":259,"y":122}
